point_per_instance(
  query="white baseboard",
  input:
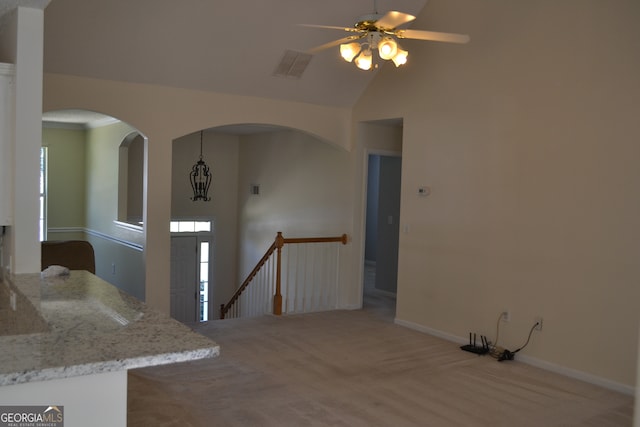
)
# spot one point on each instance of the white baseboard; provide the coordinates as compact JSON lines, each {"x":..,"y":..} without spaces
{"x":431,"y":331}
{"x":579,"y":375}
{"x":54,"y":230}
{"x":548,"y":366}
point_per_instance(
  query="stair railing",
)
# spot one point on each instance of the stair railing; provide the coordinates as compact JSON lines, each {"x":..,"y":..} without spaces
{"x":264,"y":266}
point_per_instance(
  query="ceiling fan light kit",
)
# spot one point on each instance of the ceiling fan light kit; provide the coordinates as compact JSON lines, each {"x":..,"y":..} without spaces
{"x":387,"y":47}
{"x":379,"y":32}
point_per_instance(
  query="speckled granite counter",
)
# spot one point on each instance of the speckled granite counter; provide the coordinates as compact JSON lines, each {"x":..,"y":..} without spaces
{"x":82,"y":325}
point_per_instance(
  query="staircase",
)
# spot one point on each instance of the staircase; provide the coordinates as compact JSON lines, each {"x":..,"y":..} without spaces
{"x":295,"y":275}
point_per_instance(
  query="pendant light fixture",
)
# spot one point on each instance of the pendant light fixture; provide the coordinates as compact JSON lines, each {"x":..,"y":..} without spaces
{"x":200,"y":178}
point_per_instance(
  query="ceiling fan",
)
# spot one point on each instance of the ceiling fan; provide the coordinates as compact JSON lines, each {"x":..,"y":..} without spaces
{"x":380,"y":32}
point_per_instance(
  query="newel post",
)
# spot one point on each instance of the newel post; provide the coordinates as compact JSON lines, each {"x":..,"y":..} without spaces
{"x":277,"y":298}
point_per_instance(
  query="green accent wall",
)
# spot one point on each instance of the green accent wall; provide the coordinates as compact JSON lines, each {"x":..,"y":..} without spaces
{"x":66,"y":177}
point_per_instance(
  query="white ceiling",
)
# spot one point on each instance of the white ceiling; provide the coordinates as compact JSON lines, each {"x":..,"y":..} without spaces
{"x":225,"y":46}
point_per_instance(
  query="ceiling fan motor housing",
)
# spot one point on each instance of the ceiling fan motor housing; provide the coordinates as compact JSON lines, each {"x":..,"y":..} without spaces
{"x":368,"y":22}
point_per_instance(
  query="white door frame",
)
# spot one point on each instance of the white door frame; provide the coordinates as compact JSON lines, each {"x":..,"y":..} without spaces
{"x":365,"y":178}
{"x":201,"y":236}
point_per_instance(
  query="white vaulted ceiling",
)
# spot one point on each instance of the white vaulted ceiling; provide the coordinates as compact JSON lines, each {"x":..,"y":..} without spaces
{"x":225,"y":46}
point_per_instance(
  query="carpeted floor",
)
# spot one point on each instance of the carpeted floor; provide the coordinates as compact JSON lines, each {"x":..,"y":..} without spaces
{"x":357,"y":368}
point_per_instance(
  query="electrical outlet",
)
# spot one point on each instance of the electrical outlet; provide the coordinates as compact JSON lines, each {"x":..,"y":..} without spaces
{"x":538,"y":321}
{"x":506,"y":315}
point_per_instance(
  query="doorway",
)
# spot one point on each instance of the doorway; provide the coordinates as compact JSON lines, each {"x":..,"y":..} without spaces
{"x":382,"y":226}
{"x":190,"y":271}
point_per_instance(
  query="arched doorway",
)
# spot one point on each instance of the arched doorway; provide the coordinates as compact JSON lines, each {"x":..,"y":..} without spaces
{"x":83,"y":192}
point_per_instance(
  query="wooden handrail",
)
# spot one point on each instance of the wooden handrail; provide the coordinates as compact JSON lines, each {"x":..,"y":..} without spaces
{"x":224,"y":308}
{"x":343,"y":239}
{"x":276,"y":246}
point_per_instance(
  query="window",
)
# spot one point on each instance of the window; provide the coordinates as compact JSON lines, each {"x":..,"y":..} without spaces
{"x":131,"y":179}
{"x":43,"y":193}
{"x":204,"y":281}
{"x":189,"y":226}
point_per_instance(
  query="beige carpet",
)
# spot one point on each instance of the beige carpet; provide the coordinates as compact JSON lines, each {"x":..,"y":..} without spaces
{"x":356,"y":368}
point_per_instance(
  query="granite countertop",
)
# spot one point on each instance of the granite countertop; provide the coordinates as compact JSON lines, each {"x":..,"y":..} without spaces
{"x":81,"y":325}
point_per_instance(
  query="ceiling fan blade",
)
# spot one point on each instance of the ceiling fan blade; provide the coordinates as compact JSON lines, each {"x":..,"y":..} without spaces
{"x":393,"y":20}
{"x":332,"y":44}
{"x":433,"y":36}
{"x":330,"y":27}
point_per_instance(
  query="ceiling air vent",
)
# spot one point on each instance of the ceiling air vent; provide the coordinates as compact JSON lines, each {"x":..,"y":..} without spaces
{"x":292,"y":64}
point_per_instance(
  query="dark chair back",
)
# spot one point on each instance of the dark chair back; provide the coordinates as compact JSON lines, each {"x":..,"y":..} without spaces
{"x":73,"y":254}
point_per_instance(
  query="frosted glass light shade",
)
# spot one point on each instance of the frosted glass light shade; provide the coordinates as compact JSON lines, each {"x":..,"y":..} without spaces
{"x":348,"y":51}
{"x":387,"y":48}
{"x":364,"y":60}
{"x":400,"y":57}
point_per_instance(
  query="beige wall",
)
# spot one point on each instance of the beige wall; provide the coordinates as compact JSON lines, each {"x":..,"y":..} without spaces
{"x":220,"y":152}
{"x":103,"y":147}
{"x":164,"y":114}
{"x":528,"y":137}
{"x":303,"y":191}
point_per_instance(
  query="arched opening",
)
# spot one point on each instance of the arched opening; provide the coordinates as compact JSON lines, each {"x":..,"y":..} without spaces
{"x":266,"y":179}
{"x":131,"y":179}
{"x":84,"y":150}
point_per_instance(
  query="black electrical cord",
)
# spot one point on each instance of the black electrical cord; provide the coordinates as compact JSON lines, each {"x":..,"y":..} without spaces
{"x":528,"y":338}
{"x":504,"y":354}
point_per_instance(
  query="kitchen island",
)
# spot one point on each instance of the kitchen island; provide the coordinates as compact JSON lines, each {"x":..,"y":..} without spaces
{"x":70,"y":340}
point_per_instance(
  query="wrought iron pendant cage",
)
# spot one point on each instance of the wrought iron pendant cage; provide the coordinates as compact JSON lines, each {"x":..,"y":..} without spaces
{"x":200,"y":177}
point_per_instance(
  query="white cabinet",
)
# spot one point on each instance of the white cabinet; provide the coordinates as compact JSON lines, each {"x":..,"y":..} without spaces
{"x":6,"y":142}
